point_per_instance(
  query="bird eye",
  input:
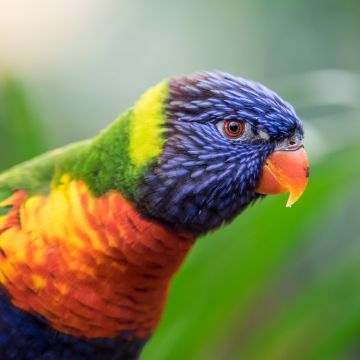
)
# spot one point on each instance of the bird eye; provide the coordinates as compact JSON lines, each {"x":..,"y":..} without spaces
{"x":234,"y":128}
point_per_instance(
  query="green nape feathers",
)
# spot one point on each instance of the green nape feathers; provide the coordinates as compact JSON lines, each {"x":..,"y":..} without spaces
{"x":114,"y":160}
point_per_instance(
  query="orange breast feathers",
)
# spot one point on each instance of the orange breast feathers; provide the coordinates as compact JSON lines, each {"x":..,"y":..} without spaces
{"x":93,"y":267}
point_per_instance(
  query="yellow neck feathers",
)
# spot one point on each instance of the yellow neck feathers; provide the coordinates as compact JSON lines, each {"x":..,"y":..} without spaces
{"x":146,"y":129}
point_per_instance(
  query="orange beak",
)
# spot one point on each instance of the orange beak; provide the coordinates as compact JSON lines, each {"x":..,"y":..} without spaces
{"x":285,"y":172}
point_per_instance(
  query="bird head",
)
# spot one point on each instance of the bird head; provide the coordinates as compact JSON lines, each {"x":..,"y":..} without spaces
{"x":225,"y":142}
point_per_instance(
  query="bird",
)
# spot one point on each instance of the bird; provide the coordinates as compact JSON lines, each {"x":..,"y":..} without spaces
{"x":91,"y":234}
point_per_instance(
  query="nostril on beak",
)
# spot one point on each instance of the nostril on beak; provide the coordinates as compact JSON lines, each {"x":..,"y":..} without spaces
{"x":292,"y":143}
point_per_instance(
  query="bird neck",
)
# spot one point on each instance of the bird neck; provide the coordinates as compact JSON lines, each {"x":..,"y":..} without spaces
{"x":122,"y":153}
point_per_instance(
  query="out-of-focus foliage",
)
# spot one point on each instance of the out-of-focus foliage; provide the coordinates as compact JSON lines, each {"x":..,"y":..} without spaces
{"x":277,"y":284}
{"x":20,"y":134}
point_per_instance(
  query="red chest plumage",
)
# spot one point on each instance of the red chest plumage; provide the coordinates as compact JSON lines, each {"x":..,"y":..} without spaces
{"x":93,"y":267}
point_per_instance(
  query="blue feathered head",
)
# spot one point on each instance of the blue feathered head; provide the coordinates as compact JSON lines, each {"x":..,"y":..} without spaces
{"x":221,"y":132}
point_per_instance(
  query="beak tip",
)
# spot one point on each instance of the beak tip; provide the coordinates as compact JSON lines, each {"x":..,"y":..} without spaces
{"x":285,"y":172}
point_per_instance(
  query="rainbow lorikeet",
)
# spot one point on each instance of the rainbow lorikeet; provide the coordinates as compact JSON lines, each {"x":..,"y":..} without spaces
{"x":91,"y":234}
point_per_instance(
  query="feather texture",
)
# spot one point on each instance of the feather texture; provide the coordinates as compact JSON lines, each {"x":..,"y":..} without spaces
{"x":91,"y":234}
{"x":101,"y":272}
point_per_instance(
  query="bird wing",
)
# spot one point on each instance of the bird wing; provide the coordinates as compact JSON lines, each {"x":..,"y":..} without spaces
{"x":35,"y":176}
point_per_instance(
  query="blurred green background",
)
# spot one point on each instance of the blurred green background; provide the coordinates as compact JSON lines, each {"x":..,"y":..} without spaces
{"x":278,"y":283}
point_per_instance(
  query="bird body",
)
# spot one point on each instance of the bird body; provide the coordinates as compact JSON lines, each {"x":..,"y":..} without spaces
{"x":91,"y":234}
